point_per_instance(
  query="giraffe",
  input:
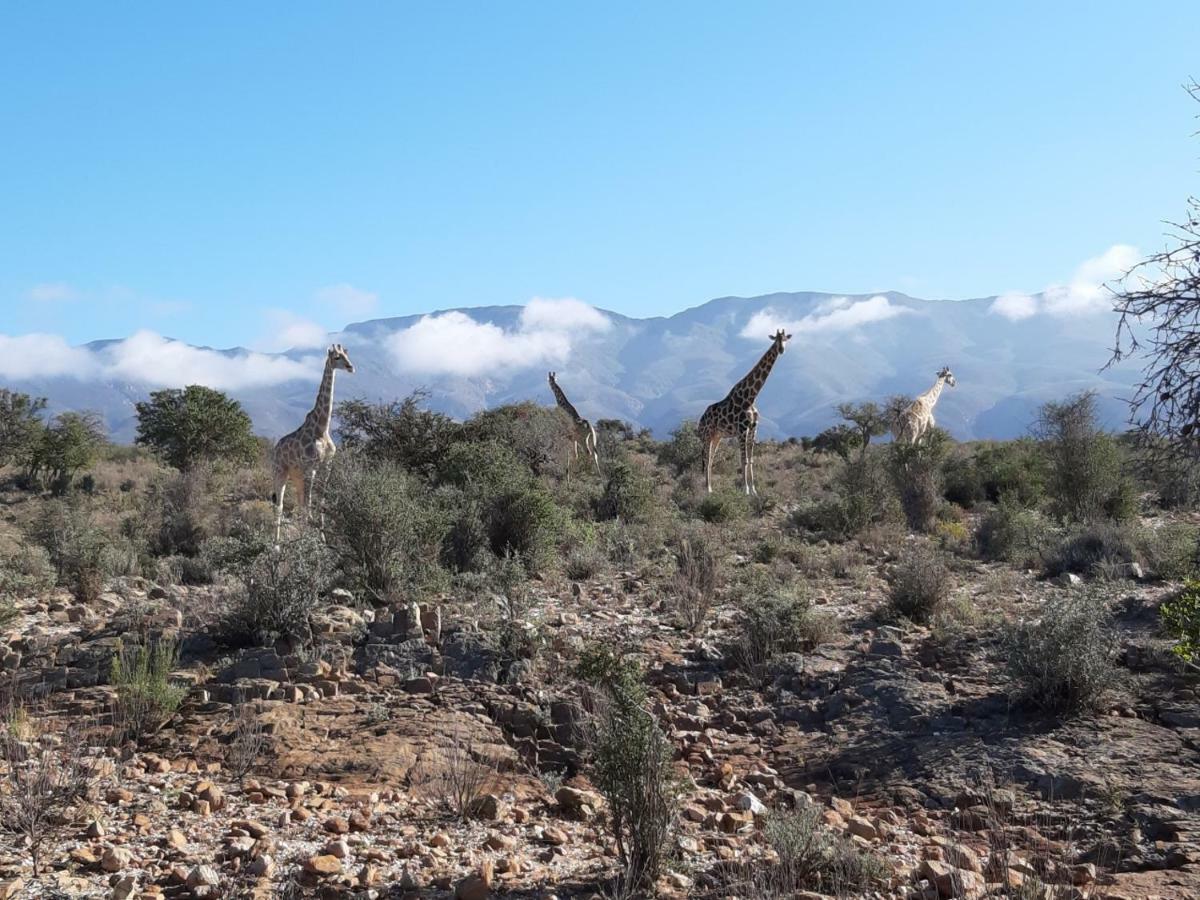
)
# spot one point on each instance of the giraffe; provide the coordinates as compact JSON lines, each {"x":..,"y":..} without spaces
{"x":298,"y":456}
{"x":737,"y":417}
{"x":916,"y":419}
{"x":581,"y":430}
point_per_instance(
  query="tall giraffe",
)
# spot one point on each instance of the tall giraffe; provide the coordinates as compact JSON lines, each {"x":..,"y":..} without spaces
{"x":737,"y":417}
{"x":581,"y":430}
{"x":916,"y":419}
{"x":298,"y":456}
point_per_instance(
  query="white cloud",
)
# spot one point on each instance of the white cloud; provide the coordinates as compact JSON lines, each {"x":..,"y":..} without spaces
{"x":51,"y":292}
{"x":149,"y":359}
{"x":347,"y":299}
{"x":1014,"y":306}
{"x":1087,"y":292}
{"x":455,"y":344}
{"x":286,"y":331}
{"x":833,"y":315}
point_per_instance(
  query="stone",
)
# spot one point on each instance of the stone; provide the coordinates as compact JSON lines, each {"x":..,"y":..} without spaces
{"x":122,"y":890}
{"x":962,"y":857}
{"x":335,"y":825}
{"x":555,"y":836}
{"x":747,"y":802}
{"x":951,"y":882}
{"x":262,"y":866}
{"x":203,"y":876}
{"x":862,"y":827}
{"x":472,"y":888}
{"x":1068,"y":580}
{"x":500,"y":842}
{"x":11,"y":888}
{"x":340,"y":849}
{"x":115,"y":859}
{"x":323,"y":864}
{"x":486,"y":807}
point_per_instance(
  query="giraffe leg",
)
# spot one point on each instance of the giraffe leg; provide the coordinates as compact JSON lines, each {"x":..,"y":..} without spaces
{"x":746,"y":462}
{"x":308,"y":497}
{"x":709,"y":452}
{"x":590,"y":445}
{"x":751,"y":440}
{"x":280,"y":488}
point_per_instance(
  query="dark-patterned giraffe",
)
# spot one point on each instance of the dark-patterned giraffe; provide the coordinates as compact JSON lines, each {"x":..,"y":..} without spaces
{"x":581,"y":430}
{"x":298,"y":456}
{"x":737,"y":417}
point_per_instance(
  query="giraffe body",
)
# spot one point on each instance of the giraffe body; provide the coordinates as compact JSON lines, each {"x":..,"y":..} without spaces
{"x":737,"y":417}
{"x":916,"y":420}
{"x":303,"y":456}
{"x":581,"y":430}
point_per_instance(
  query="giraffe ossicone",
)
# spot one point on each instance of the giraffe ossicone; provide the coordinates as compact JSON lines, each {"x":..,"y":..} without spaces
{"x":916,"y":420}
{"x":580,"y":429}
{"x":737,"y":417}
{"x":303,"y":456}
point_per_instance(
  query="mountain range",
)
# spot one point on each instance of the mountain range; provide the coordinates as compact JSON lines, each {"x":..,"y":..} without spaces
{"x":652,"y":372}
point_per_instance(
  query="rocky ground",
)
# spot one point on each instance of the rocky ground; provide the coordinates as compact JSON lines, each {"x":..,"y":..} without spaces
{"x":903,"y":737}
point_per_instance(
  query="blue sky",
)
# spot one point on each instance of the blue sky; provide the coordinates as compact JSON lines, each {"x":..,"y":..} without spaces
{"x":236,"y":173}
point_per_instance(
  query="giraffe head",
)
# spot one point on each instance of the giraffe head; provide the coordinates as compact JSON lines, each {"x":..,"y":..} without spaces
{"x":946,"y":375}
{"x":551,"y":375}
{"x":338,"y":359}
{"x":780,"y":339}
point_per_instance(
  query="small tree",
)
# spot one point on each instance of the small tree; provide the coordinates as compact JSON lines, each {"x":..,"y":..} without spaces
{"x":839,"y":439}
{"x":186,"y":426}
{"x":868,"y":418}
{"x":401,"y":432}
{"x":72,"y":442}
{"x":20,"y":426}
{"x":1085,"y":478}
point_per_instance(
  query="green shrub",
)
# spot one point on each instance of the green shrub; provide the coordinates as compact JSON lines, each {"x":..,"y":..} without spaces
{"x":26,"y":572}
{"x":1012,"y":533}
{"x":401,"y":432}
{"x":583,"y":563}
{"x":916,"y":471}
{"x":384,"y":529}
{"x":78,"y":548}
{"x":776,"y":623}
{"x":194,"y":424}
{"x":1085,"y":478}
{"x":1181,"y":617}
{"x":632,"y":768}
{"x":182,"y":510}
{"x":919,"y":585}
{"x":864,"y":496}
{"x":723,"y":506}
{"x":628,"y":493}
{"x":1065,"y":661}
{"x":1103,"y":548}
{"x":1170,"y":551}
{"x":145,"y":696}
{"x":70,"y":443}
{"x":281,"y":587}
{"x":1013,"y":469}
{"x":533,"y":432}
{"x":525,"y":521}
{"x":683,"y":452}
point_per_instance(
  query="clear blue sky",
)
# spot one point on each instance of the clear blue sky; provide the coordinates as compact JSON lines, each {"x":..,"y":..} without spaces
{"x":188,"y":167}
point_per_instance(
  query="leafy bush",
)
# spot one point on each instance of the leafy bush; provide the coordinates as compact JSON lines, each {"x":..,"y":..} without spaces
{"x":683,"y":452}
{"x":1181,"y":617}
{"x":774,"y":624}
{"x":583,"y":563}
{"x":1104,"y":548}
{"x":1085,"y":477}
{"x":632,"y":767}
{"x":864,"y":497}
{"x":182,"y":510}
{"x":723,"y":506}
{"x":697,"y":578}
{"x":77,"y":546}
{"x":916,"y":471}
{"x":811,"y":857}
{"x":1016,"y":469}
{"x":840,"y":439}
{"x":280,"y":587}
{"x":145,"y":697}
{"x":1065,"y":661}
{"x":26,"y":571}
{"x":70,"y":443}
{"x":20,"y":426}
{"x":533,"y":432}
{"x":1171,"y":551}
{"x":194,"y":424}
{"x":628,"y":494}
{"x":401,"y":432}
{"x":524,"y":521}
{"x":383,"y":528}
{"x":1012,"y":533}
{"x":919,"y":585}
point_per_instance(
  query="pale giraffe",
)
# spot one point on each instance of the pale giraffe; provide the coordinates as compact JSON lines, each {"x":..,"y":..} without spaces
{"x":581,"y":430}
{"x":916,"y":420}
{"x":299,"y":456}
{"x":737,"y":417}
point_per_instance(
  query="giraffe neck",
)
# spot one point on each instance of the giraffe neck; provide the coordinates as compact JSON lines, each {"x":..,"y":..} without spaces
{"x":748,"y":388}
{"x":322,"y":411}
{"x":563,"y":403}
{"x":930,"y":397}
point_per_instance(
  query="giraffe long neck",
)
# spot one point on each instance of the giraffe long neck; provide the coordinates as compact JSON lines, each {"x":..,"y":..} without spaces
{"x":322,"y":410}
{"x":563,"y":403}
{"x":748,"y":388}
{"x":930,"y":397}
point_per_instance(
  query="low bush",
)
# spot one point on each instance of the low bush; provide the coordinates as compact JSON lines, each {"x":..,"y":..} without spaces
{"x":1181,"y":617}
{"x":1170,"y":551}
{"x":774,"y":624}
{"x":1065,"y":660}
{"x":1086,"y":480}
{"x":723,"y":506}
{"x":145,"y":696}
{"x":919,"y":584}
{"x":697,"y":578}
{"x":863,"y":496}
{"x":683,"y":452}
{"x":916,"y":471}
{"x":1011,"y":533}
{"x":1102,"y":549}
{"x":628,"y":493}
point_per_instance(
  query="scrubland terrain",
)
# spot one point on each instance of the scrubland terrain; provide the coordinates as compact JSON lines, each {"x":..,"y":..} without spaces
{"x":948,"y":671}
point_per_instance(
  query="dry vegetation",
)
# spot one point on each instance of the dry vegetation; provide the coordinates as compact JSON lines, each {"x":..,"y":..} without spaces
{"x":477,"y":678}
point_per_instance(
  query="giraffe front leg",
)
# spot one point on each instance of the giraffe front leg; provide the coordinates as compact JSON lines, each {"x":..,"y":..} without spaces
{"x":709,"y":451}
{"x":750,"y":457}
{"x":280,"y":488}
{"x":310,"y":491}
{"x":745,"y":442}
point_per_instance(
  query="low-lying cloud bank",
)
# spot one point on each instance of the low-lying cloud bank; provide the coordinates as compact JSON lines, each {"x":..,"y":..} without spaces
{"x":838,"y":314}
{"x":453,"y":343}
{"x":1084,"y":294}
{"x":149,"y":359}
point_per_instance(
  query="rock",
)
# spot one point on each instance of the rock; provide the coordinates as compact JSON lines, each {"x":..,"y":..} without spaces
{"x":841,"y":807}
{"x":580,"y":804}
{"x":951,"y":882}
{"x":862,"y":827}
{"x":115,"y":859}
{"x":176,"y":839}
{"x":11,"y":888}
{"x":486,"y":807}
{"x":555,"y":836}
{"x":962,"y":857}
{"x":203,"y":876}
{"x":261,"y":867}
{"x":747,"y":802}
{"x":500,"y":842}
{"x":339,"y":849}
{"x":472,"y":888}
{"x":323,"y":864}
{"x":122,"y":890}
{"x":213,"y":794}
{"x":1068,"y":580}
{"x":252,"y":827}
{"x":334,"y":825}
{"x":95,"y":829}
